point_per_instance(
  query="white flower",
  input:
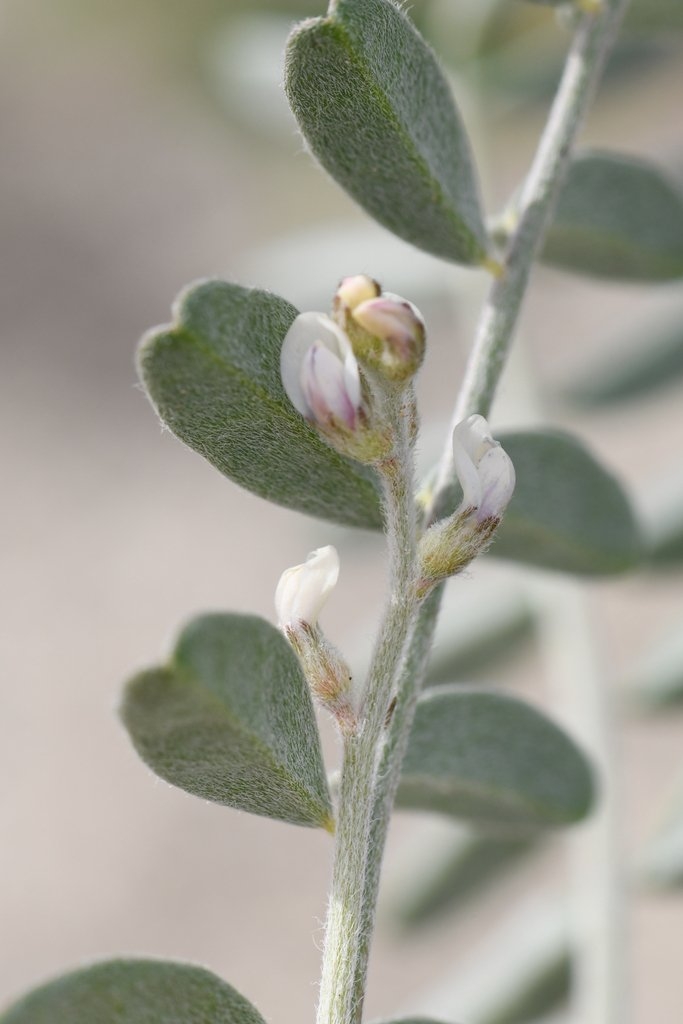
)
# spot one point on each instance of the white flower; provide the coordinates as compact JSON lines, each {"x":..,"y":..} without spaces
{"x":484,"y":469}
{"x":320,"y":373}
{"x":304,"y":589}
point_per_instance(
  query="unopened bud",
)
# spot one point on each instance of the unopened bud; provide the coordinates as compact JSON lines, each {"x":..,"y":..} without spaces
{"x":484,"y":469}
{"x":299,"y":597}
{"x":395,"y":331}
{"x":354,"y":290}
{"x":487,"y":478}
{"x":304,"y":589}
{"x":321,"y":377}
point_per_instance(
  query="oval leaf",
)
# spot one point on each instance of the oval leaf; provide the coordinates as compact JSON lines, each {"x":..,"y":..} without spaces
{"x":568,"y":512}
{"x":377,"y":112}
{"x":230,"y":719}
{"x":214,"y":378}
{"x":617,"y":218}
{"x":134,"y":992}
{"x":490,"y":758}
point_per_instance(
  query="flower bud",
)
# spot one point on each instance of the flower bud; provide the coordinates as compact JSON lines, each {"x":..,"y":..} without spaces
{"x":487,"y":478}
{"x":304,"y":589}
{"x":388,"y":336}
{"x":299,"y":597}
{"x":484,"y":469}
{"x":321,"y":377}
{"x":319,"y":371}
{"x":354,"y":290}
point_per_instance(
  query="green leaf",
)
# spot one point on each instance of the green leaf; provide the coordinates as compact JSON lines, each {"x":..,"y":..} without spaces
{"x":449,"y":878}
{"x":377,"y":112}
{"x":134,"y":992}
{"x":568,"y":513}
{"x":649,"y":360}
{"x":654,"y":16}
{"x":617,"y":218}
{"x":214,"y":379}
{"x":484,"y":756}
{"x":230,"y":719}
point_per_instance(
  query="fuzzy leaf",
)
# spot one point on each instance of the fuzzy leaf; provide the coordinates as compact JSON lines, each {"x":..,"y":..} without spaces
{"x":617,"y":218}
{"x":567,"y":513}
{"x":230,"y":719}
{"x":214,"y":379}
{"x":377,"y":112}
{"x":492,"y":759}
{"x":134,"y":992}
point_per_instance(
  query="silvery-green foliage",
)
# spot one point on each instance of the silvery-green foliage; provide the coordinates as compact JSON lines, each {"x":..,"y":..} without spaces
{"x":214,"y":379}
{"x":229,"y":718}
{"x":377,"y":111}
{"x":134,"y":992}
{"x":487,"y":757}
{"x":618,"y":218}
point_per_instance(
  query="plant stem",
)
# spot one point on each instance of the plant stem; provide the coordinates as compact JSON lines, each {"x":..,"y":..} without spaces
{"x":349,"y":919}
{"x":372,"y":759}
{"x":533,"y":215}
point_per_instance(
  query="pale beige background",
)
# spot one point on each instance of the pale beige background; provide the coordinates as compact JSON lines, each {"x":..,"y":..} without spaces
{"x":121,"y":180}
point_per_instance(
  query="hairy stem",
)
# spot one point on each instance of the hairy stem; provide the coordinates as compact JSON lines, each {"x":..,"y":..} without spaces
{"x":350,"y":912}
{"x":372,"y":759}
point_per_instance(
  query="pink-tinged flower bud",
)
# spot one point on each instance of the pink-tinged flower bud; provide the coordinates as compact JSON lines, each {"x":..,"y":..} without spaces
{"x":484,"y":469}
{"x":487,"y":478}
{"x":355,"y":290}
{"x":320,"y":373}
{"x":391,"y":338}
{"x":304,"y":589}
{"x":322,"y":379}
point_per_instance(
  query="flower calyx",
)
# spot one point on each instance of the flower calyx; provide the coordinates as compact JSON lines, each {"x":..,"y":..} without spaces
{"x":299,"y":597}
{"x":387,"y":332}
{"x":487,"y":477}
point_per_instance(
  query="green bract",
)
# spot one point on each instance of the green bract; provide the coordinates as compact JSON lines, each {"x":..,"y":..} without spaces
{"x":486,"y":757}
{"x":214,"y":378}
{"x":230,"y":719}
{"x":617,"y":217}
{"x":134,"y":992}
{"x":377,"y":112}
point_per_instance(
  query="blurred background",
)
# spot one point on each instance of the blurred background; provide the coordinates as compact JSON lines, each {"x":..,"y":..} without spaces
{"x":147,"y":144}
